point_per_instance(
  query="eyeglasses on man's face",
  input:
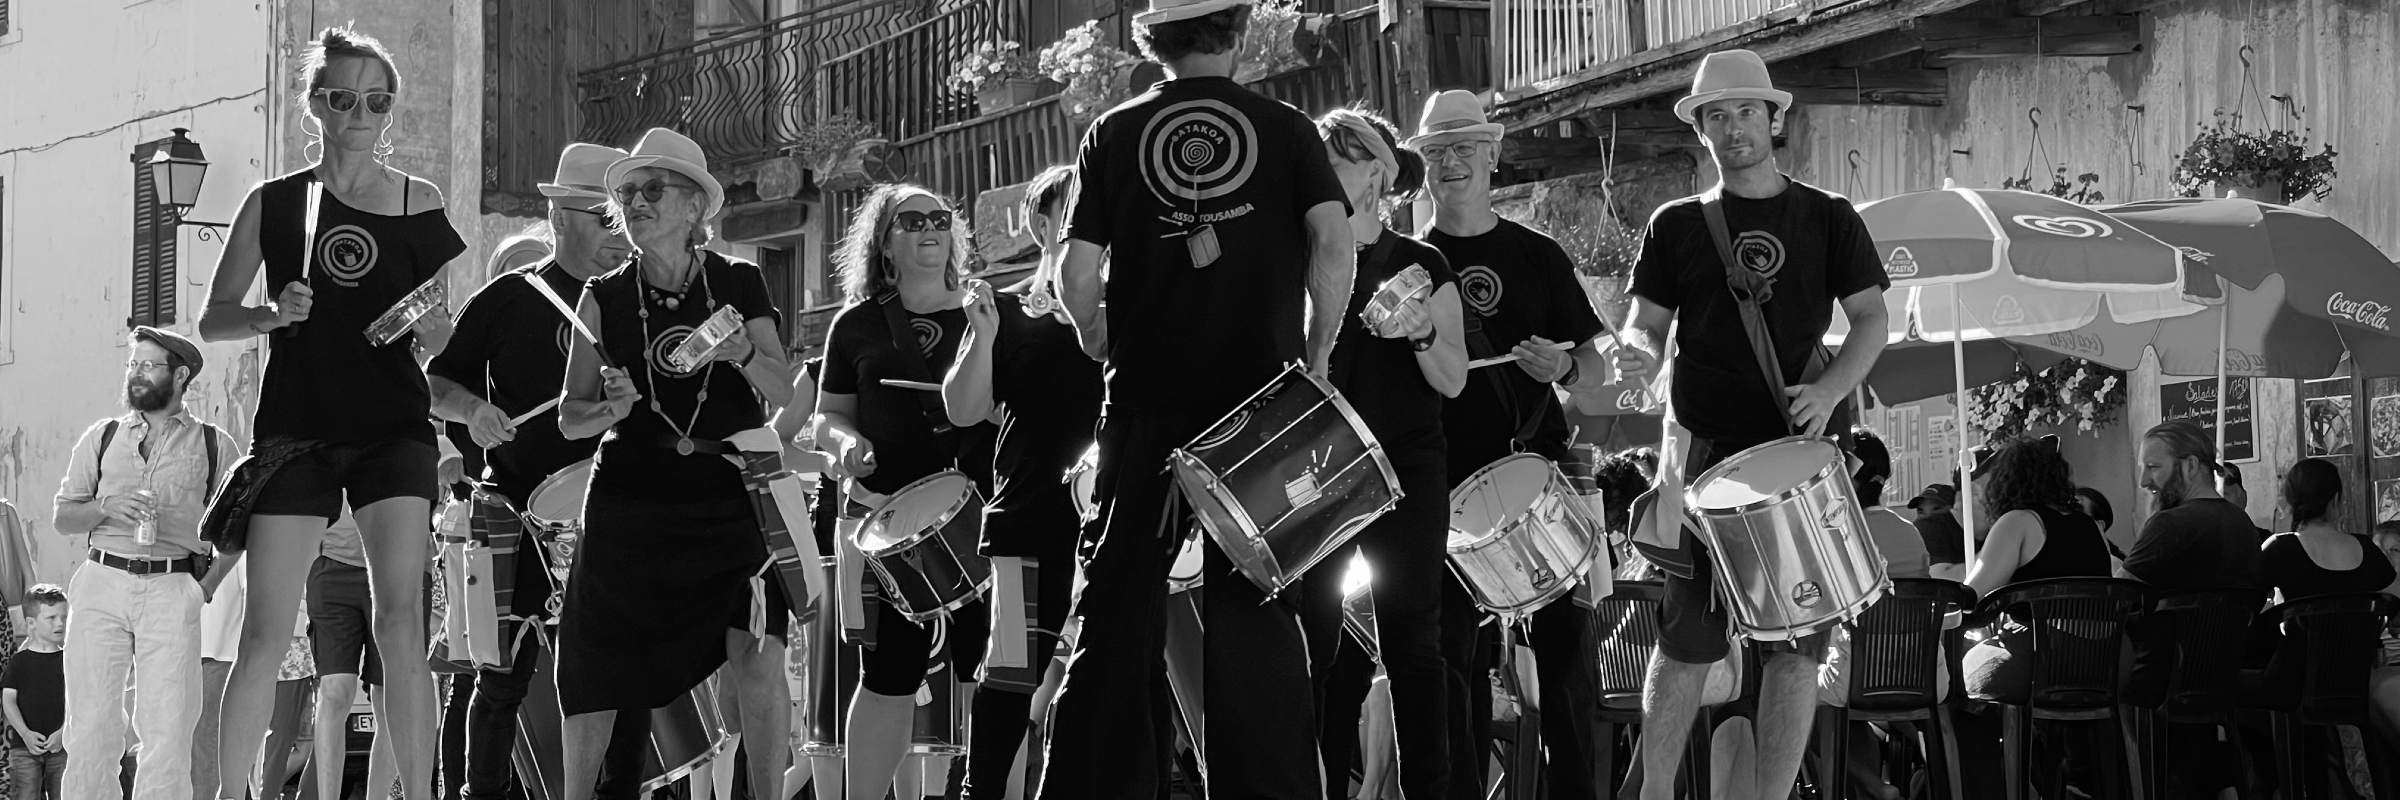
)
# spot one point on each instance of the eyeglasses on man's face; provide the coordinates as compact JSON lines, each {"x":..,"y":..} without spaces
{"x":147,"y":366}
{"x":1461,"y":151}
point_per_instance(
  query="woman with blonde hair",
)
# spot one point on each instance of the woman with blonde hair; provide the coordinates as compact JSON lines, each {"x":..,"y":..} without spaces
{"x":903,"y":265}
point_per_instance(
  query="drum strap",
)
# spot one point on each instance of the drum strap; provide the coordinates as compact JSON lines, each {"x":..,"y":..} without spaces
{"x":1750,"y":290}
{"x":912,"y":359}
{"x":1376,"y":256}
{"x":1528,"y":420}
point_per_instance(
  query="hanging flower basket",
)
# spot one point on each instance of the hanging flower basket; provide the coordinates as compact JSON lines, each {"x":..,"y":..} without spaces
{"x":866,"y":163}
{"x":831,"y":147}
{"x":2273,"y":167}
{"x":1283,"y":39}
{"x":2074,"y":392}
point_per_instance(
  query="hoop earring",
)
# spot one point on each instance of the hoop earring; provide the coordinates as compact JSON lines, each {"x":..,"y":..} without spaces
{"x":383,"y":139}
{"x":316,"y":138}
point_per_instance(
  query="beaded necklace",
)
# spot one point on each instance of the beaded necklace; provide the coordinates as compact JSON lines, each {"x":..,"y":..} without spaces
{"x":683,"y":433}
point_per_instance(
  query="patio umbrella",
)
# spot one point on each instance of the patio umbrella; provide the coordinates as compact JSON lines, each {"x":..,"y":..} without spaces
{"x":1985,"y":264}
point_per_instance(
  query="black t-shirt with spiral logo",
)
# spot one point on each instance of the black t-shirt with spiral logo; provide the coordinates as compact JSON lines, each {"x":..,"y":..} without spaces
{"x":1519,"y":284}
{"x":510,"y":348}
{"x":638,"y":457}
{"x":860,"y":355}
{"x":324,"y":380}
{"x":1814,"y":249}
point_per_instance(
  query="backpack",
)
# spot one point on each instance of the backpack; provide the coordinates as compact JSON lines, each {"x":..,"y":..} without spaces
{"x":109,"y":433}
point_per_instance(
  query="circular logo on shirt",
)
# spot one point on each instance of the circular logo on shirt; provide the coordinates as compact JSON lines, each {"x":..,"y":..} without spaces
{"x":1481,"y":288}
{"x":929,"y":334}
{"x":347,"y":253}
{"x":1198,"y":150}
{"x":1224,"y":432}
{"x":664,"y":343}
{"x":561,"y":338}
{"x":1760,"y":251}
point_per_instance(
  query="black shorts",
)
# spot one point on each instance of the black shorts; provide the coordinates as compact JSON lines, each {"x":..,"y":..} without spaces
{"x":903,"y":653}
{"x":341,"y":626}
{"x":313,"y":484}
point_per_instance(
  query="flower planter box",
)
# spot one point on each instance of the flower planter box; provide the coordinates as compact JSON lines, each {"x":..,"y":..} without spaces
{"x":870,"y":161}
{"x":2250,"y":187}
{"x":999,"y":96}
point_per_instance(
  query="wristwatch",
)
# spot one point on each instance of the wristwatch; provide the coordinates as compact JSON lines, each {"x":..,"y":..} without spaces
{"x":1424,"y":344}
{"x":745,"y":362}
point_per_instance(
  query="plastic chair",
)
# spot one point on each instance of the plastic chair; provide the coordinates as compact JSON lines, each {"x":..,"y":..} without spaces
{"x":2341,"y":635}
{"x":1895,"y":676}
{"x":2078,"y":629}
{"x":2209,"y":629}
{"x":1624,"y":632}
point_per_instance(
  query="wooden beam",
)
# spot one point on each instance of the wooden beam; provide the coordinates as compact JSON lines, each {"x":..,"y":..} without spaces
{"x":2036,"y":8}
{"x":2009,"y":37}
{"x":1916,"y":87}
{"x":1881,"y":46}
{"x":1797,"y":30}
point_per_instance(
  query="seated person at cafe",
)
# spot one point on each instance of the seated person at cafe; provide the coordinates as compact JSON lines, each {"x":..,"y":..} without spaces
{"x":1938,"y":527}
{"x":2037,"y":533}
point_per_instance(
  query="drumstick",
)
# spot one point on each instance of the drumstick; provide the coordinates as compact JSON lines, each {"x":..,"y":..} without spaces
{"x":1485,"y":362}
{"x":572,"y":318}
{"x":308,"y":243}
{"x":921,"y":386}
{"x":537,"y":410}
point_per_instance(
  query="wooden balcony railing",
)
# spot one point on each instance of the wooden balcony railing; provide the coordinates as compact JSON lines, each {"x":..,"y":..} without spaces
{"x":1459,"y":43}
{"x":742,"y":95}
{"x":896,"y":82}
{"x":1543,"y":44}
{"x":963,"y":159}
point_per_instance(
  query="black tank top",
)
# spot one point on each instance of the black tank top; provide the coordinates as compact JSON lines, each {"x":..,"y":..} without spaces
{"x":638,"y":456}
{"x":323,"y":380}
{"x":2071,"y":548}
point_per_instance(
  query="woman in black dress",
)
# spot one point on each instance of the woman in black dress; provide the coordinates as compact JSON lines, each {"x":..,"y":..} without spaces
{"x":667,"y":585}
{"x":903,"y":265}
{"x":336,"y":414}
{"x":1396,"y":377}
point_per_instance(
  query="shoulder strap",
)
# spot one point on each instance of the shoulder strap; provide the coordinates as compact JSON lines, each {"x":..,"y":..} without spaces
{"x":108,"y":433}
{"x":208,"y":483}
{"x":1749,"y":291}
{"x":1376,"y":256}
{"x":912,"y":358}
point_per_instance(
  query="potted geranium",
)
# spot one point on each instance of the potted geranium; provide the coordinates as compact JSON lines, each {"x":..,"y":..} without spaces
{"x":1097,"y":74}
{"x":2085,"y":190}
{"x":2274,"y":166}
{"x":1282,"y":39}
{"x":1001,"y":75}
{"x":837,"y":148}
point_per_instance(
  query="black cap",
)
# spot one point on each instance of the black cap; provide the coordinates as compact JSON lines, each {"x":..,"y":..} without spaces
{"x":1941,"y":493}
{"x":173,"y":343}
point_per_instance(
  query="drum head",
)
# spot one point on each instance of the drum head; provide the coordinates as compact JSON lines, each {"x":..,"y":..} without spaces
{"x":1187,"y":561}
{"x":1495,"y":495}
{"x":559,"y":500}
{"x":918,"y":511}
{"x":1764,"y":472}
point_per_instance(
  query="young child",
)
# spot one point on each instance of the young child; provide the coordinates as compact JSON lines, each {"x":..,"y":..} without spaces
{"x":34,"y":694}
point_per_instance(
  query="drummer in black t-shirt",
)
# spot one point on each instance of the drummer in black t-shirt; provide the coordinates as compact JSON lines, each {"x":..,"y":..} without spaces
{"x":903,"y":265}
{"x":1224,"y":223}
{"x":508,"y":358}
{"x":664,"y":590}
{"x":1396,"y":376}
{"x":1523,"y":300}
{"x":337,"y":415}
{"x":1022,"y":368}
{"x":1808,"y":251}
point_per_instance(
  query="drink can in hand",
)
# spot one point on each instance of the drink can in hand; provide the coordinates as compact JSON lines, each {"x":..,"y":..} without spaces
{"x":145,"y":531}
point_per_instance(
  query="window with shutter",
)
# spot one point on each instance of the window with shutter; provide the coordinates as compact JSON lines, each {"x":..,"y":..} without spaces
{"x":154,"y":262}
{"x":3,"y":17}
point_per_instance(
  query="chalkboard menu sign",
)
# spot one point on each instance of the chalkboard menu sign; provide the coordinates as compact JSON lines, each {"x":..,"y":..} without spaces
{"x":2197,"y":401}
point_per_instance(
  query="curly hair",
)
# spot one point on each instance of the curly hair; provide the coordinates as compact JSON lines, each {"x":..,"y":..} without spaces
{"x":1209,"y":33}
{"x":866,"y":270}
{"x":44,"y":594}
{"x":2028,"y":474}
{"x":1621,"y":479}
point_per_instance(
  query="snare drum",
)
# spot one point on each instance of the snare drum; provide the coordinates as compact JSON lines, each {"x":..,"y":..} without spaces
{"x":1788,"y":537}
{"x":1358,"y":606}
{"x":554,"y":513}
{"x":940,"y":726}
{"x":1185,"y":574}
{"x":1286,"y":478}
{"x":1519,"y":536}
{"x":832,"y":676}
{"x":1185,"y":661}
{"x":685,"y":734}
{"x":921,"y":545}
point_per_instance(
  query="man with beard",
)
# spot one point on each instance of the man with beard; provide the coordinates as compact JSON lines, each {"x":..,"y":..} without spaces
{"x":507,"y":358}
{"x":1521,"y":298}
{"x":1800,"y":252}
{"x":138,"y":483}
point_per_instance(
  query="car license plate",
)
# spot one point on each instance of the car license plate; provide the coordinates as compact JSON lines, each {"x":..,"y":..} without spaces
{"x":362,"y":723}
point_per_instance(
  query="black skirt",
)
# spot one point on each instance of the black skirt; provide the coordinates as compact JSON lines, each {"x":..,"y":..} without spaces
{"x":654,"y":588}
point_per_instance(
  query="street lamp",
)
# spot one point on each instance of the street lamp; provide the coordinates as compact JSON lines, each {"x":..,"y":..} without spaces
{"x":176,"y":171}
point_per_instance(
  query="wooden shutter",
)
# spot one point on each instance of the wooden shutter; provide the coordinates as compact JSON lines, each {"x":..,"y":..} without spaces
{"x":154,"y":262}
{"x":3,"y":17}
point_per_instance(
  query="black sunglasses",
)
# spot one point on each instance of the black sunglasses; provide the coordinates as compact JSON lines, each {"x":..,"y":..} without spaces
{"x":343,"y":100}
{"x":918,"y":221}
{"x":652,"y":191}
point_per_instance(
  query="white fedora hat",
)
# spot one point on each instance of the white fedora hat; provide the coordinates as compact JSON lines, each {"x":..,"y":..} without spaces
{"x":1730,"y":75}
{"x":582,"y":168}
{"x":1455,"y":111}
{"x":1174,"y":10}
{"x":666,"y":149}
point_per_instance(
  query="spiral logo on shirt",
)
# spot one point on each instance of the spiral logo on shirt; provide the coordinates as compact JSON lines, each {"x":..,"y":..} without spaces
{"x":1481,"y":288}
{"x":1224,"y":432}
{"x":347,"y":253}
{"x":1198,"y":150}
{"x":929,"y":334}
{"x":1760,"y":251}
{"x":561,"y":339}
{"x":664,"y":343}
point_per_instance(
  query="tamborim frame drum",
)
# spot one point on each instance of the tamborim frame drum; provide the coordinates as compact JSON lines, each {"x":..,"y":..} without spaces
{"x":1788,"y":537}
{"x":921,"y":545}
{"x":1519,"y":536}
{"x":1286,"y":478}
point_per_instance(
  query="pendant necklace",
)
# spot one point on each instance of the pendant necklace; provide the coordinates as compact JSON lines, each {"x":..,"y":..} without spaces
{"x":683,"y":434}
{"x":674,"y":301}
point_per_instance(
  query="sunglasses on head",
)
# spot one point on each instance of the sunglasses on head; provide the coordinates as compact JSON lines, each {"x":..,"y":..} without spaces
{"x":343,"y":100}
{"x":918,"y":221}
{"x":652,"y":191}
